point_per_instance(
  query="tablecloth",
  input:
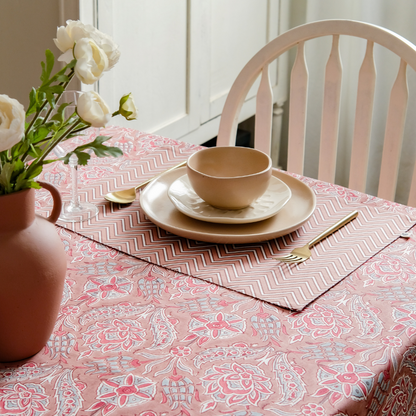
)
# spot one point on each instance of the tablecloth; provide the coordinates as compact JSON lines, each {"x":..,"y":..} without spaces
{"x":135,"y":338}
{"x":246,"y":268}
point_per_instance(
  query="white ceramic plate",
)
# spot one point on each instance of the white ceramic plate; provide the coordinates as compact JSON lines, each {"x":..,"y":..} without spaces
{"x":160,"y":210}
{"x":189,"y":203}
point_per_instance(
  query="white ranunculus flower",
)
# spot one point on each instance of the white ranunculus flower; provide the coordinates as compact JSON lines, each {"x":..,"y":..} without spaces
{"x":128,"y":106}
{"x":12,"y":122}
{"x":67,"y":36}
{"x":110,"y":48}
{"x":74,"y":31}
{"x":91,"y":61}
{"x":92,"y":109}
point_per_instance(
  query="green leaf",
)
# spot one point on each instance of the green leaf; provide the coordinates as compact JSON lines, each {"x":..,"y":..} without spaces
{"x":33,"y":184}
{"x":65,"y":159}
{"x":32,"y":102}
{"x":3,"y":157}
{"x":47,"y":69}
{"x":51,"y":98}
{"x":62,"y":78}
{"x":43,"y":76}
{"x":59,"y":116}
{"x":40,"y":133}
{"x":50,"y":92}
{"x":72,"y":64}
{"x":33,"y":171}
{"x":20,"y":182}
{"x":50,"y":61}
{"x":19,"y":149}
{"x":55,"y":89}
{"x":19,"y":166}
{"x":34,"y":151}
{"x":100,"y":139}
{"x":99,"y":149}
{"x":82,"y":157}
{"x":102,"y":151}
{"x":5,"y":176}
{"x":59,"y":74}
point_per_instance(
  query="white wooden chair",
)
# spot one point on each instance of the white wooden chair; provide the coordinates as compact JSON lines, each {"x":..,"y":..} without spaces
{"x":331,"y":103}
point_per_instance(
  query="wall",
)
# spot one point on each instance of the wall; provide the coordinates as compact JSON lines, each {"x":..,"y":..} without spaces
{"x":27,"y":29}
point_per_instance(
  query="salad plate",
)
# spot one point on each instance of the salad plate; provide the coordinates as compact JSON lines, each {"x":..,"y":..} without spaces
{"x":189,"y":203}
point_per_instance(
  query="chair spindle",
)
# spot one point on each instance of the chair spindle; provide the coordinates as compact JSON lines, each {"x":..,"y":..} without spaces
{"x":330,"y":114}
{"x":264,"y":110}
{"x":363,"y":118}
{"x":297,"y":111}
{"x":393,"y":136}
{"x":412,"y":193}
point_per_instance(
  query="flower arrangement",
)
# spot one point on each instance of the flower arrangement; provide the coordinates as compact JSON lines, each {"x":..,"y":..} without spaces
{"x":27,"y":138}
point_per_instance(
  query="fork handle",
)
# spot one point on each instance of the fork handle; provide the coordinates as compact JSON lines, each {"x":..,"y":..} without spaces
{"x":333,"y":228}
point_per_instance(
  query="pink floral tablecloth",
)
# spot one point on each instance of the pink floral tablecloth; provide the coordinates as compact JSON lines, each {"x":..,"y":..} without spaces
{"x":246,"y":268}
{"x":135,"y":338}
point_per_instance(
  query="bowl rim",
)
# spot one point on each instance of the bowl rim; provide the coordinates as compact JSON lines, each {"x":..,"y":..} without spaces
{"x":269,"y":165}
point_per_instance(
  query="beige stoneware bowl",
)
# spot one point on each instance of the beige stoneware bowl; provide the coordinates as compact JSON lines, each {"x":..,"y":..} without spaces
{"x":229,"y":177}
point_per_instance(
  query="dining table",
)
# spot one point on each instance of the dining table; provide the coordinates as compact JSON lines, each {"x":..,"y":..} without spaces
{"x":163,"y":314}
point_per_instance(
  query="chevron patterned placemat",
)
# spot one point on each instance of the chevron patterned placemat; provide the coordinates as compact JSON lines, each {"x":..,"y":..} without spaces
{"x":246,"y":268}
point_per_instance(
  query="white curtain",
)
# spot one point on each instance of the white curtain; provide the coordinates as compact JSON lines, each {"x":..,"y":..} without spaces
{"x":398,"y":16}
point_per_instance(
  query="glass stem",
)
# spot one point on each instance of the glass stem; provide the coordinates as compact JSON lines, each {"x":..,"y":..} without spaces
{"x":73,"y":163}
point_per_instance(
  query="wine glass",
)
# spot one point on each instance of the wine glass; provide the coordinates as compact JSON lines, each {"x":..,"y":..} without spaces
{"x":73,"y":210}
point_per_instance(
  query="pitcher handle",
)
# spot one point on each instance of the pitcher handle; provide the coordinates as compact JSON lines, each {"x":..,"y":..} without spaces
{"x":57,"y":201}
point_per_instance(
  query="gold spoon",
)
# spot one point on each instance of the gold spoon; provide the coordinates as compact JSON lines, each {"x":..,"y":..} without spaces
{"x":127,"y":196}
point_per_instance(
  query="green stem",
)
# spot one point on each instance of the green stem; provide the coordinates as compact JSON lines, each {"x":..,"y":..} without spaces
{"x":45,"y":102}
{"x":53,"y":145}
{"x":35,"y":117}
{"x":64,"y":85}
{"x":81,"y":129}
{"x":47,"y":139}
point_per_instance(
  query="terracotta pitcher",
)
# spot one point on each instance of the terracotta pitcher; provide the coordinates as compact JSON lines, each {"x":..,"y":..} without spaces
{"x":32,"y":273}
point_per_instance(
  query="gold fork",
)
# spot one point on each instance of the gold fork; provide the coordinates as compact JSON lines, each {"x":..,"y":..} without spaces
{"x":298,"y":255}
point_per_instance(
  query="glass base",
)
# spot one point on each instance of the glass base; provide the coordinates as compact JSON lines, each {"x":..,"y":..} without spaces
{"x":78,"y":212}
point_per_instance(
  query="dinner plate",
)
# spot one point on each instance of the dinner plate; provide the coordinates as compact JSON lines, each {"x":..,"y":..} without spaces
{"x":160,"y":210}
{"x":186,"y":200}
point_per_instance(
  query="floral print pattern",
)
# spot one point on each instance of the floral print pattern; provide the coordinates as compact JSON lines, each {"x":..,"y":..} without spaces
{"x":115,"y":335}
{"x":215,"y":326}
{"x":136,"y":338}
{"x":123,"y":391}
{"x":20,"y":399}
{"x":349,"y":380}
{"x":320,"y":322}
{"x":237,"y":384}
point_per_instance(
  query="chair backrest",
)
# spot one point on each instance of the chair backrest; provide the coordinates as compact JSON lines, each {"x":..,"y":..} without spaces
{"x":397,"y":106}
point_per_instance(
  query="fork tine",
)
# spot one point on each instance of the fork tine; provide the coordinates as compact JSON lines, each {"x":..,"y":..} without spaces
{"x":297,"y":260}
{"x":289,"y":258}
{"x":284,"y":258}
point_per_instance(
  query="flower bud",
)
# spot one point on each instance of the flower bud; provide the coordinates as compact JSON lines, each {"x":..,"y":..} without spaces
{"x":127,"y":107}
